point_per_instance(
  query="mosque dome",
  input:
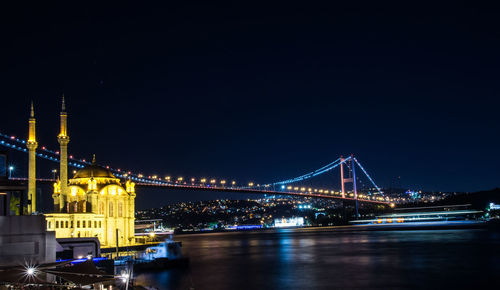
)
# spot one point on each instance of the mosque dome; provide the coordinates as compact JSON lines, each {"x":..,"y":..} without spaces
{"x":94,"y":170}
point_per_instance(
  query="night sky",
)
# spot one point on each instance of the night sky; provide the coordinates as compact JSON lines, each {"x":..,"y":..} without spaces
{"x":262,"y":92}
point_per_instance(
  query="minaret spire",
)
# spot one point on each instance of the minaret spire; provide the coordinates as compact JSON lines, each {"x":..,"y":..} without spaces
{"x":32,"y":113}
{"x":63,"y":105}
{"x":32,"y":145}
{"x":63,"y":140}
{"x":93,"y":158}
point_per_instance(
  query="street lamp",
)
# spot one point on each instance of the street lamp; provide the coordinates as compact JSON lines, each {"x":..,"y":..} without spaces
{"x":54,"y":171}
{"x":11,"y":168}
{"x":30,"y":271}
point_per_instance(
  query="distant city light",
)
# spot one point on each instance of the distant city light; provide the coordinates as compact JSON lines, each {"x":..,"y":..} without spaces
{"x":291,"y":222}
{"x":494,"y":206}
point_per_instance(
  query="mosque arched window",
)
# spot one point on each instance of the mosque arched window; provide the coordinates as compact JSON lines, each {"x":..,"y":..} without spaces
{"x":120,"y":209}
{"x":101,"y":207}
{"x":110,"y":209}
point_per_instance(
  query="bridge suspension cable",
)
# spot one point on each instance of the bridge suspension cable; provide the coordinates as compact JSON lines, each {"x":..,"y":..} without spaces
{"x":310,"y":174}
{"x":316,"y":172}
{"x":368,"y":175}
{"x":77,"y":164}
{"x":137,"y":177}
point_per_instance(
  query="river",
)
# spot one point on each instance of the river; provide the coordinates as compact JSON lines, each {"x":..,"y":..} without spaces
{"x":325,"y":258}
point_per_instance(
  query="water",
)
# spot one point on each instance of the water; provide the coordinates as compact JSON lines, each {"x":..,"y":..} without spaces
{"x":329,"y":259}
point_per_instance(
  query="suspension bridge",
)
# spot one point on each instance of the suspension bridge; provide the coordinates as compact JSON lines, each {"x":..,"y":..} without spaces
{"x":292,"y":186}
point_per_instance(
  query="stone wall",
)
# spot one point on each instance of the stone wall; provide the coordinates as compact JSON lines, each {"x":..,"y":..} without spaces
{"x":24,"y":239}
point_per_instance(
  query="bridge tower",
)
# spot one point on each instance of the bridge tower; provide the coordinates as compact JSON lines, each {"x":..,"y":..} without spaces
{"x":32,"y":145}
{"x":351,"y":178}
{"x":63,"y":140}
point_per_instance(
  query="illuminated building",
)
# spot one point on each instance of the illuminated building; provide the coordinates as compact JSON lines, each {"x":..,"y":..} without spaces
{"x":93,"y":203}
{"x":290,"y":222}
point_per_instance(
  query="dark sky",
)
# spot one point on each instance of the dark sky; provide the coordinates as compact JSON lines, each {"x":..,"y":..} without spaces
{"x":263,"y":91}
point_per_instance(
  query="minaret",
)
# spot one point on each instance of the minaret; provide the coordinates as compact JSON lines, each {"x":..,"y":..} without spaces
{"x":63,"y":140}
{"x":31,"y":145}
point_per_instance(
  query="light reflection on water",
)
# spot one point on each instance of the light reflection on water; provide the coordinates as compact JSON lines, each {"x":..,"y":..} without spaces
{"x":327,"y":259}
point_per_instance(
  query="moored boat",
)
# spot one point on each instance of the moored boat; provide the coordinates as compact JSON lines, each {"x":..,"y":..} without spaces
{"x":165,"y":255}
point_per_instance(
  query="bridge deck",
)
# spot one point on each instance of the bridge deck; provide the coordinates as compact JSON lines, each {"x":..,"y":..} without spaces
{"x":238,"y":190}
{"x":258,"y":191}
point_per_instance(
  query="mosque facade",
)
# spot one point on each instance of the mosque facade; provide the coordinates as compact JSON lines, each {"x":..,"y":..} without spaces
{"x":94,"y":203}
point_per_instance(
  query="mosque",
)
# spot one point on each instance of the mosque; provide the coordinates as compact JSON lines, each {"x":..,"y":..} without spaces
{"x":93,"y":203}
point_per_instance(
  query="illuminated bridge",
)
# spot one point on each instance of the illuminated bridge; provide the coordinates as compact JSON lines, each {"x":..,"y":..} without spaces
{"x":292,"y":186}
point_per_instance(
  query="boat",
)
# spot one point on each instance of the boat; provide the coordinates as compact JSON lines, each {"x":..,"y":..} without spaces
{"x":165,"y":255}
{"x":440,"y":217}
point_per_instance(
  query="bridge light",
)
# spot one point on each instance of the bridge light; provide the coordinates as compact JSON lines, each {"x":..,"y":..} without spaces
{"x":193,"y":180}
{"x":167,"y":178}
{"x":222,"y":182}
{"x":233,"y":182}
{"x":250,"y":184}
{"x":203,"y":180}
{"x":295,"y":188}
{"x":180,"y":179}
{"x":302,"y":189}
{"x":282,"y":187}
{"x":213,"y":181}
{"x":310,"y":189}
